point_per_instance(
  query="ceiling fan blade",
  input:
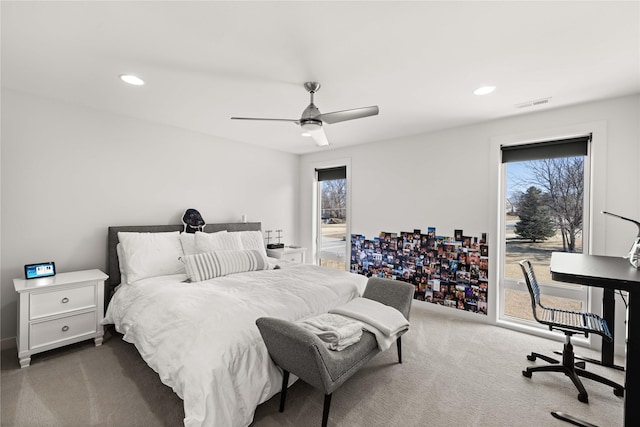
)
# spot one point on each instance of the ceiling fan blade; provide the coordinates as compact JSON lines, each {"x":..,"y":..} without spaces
{"x":341,"y":116}
{"x":260,"y":118}
{"x":319,"y":137}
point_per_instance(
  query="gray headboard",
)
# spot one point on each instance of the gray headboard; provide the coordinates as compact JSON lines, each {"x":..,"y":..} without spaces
{"x":112,"y":254}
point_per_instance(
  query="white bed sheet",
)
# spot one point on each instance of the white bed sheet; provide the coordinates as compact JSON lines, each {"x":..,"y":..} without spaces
{"x":202,"y":340}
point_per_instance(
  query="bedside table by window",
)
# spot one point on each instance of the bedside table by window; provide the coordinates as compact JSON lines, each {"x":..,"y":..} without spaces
{"x":288,"y":253}
{"x":59,"y":310}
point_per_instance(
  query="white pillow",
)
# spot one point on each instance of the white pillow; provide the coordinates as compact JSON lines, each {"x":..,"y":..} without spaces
{"x":150,"y":254}
{"x":209,"y":265}
{"x":209,"y":242}
{"x":252,"y":240}
{"x":188,"y":241}
{"x":122,"y":264}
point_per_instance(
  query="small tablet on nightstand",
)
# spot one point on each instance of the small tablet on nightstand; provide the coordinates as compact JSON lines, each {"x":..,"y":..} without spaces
{"x":43,"y":269}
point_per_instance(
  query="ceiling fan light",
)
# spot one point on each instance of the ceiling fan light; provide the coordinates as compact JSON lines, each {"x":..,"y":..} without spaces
{"x":311,"y":126}
{"x":307,"y":134}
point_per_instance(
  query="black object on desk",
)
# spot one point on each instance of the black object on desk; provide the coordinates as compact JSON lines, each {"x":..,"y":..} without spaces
{"x":610,"y":273}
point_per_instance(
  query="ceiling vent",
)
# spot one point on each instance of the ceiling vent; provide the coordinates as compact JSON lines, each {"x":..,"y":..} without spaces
{"x":533,"y":103}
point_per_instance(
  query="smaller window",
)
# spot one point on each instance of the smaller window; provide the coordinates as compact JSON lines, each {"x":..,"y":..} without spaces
{"x":332,"y":217}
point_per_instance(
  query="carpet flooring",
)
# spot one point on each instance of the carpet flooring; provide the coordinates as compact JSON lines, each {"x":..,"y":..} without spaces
{"x":456,"y":372}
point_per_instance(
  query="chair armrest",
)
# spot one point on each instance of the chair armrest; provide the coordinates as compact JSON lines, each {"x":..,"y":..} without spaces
{"x":297,"y":350}
{"x":394,"y":293}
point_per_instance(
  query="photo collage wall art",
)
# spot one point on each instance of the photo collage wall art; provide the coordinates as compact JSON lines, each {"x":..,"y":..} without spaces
{"x":451,"y":271}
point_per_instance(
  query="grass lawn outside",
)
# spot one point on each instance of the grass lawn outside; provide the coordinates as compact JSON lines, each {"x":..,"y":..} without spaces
{"x":335,"y":231}
{"x":517,"y":302}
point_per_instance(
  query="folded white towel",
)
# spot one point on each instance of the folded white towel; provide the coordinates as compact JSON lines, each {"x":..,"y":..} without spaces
{"x":383,"y":341}
{"x":385,"y":318}
{"x":344,"y":343}
{"x":338,"y":332}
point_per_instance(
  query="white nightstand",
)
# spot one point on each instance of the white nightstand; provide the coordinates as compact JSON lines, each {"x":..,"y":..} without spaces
{"x":288,"y":253}
{"x":59,"y":310}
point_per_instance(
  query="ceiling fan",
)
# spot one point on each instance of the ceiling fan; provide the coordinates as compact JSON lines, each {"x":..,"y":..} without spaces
{"x":312,"y":120}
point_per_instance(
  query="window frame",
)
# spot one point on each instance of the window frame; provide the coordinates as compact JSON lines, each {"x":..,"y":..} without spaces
{"x":317,"y":206}
{"x":575,"y":292}
{"x":597,"y":196}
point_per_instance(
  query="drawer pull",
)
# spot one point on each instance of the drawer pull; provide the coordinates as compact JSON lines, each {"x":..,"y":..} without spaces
{"x":65,"y":300}
{"x":65,"y":328}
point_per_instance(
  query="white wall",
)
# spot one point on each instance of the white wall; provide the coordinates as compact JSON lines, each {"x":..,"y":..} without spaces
{"x":449,"y":179}
{"x":68,"y":173}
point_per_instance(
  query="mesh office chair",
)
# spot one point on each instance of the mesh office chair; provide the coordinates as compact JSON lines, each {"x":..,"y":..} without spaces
{"x":570,"y":323}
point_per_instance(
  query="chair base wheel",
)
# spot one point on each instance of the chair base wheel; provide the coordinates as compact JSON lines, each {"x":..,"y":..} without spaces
{"x":531,"y":357}
{"x":526,"y":374}
{"x":583,"y":397}
{"x":618,"y":392}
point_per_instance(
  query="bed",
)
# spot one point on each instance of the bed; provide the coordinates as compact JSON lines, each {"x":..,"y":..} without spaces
{"x":200,"y":336}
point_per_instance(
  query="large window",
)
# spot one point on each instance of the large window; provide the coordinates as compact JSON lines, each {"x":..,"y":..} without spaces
{"x":332,"y":217}
{"x":546,"y":210}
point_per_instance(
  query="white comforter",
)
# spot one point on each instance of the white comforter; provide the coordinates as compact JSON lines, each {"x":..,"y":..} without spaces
{"x":202,"y":340}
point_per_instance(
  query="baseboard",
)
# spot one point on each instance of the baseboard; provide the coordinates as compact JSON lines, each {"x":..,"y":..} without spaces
{"x":8,"y":343}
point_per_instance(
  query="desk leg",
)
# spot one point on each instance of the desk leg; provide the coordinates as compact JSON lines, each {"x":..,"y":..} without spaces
{"x":609,"y":314}
{"x":632,"y":379}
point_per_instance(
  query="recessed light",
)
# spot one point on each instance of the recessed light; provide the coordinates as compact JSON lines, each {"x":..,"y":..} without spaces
{"x":131,"y":79}
{"x":484,"y":90}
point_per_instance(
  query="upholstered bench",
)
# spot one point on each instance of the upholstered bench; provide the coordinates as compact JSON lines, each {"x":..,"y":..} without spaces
{"x":299,"y":351}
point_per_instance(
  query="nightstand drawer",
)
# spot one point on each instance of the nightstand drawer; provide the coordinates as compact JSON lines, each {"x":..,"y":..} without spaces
{"x":62,"y":301}
{"x":288,"y":253}
{"x":53,"y":331}
{"x":296,"y":257}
